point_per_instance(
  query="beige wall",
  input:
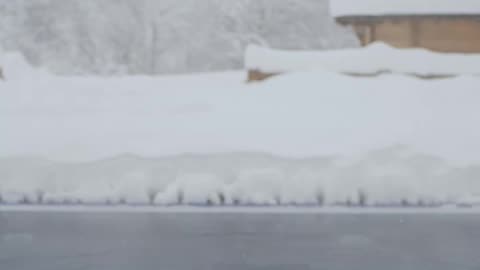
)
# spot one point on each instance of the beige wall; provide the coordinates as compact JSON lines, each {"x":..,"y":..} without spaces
{"x":439,"y":34}
{"x":457,"y":35}
{"x":398,"y":33}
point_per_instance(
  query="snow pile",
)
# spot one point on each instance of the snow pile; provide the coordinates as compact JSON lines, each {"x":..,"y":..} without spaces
{"x":330,"y":139}
{"x":340,"y":8}
{"x":14,"y":66}
{"x":373,"y":59}
{"x":394,"y":177}
{"x":300,"y":115}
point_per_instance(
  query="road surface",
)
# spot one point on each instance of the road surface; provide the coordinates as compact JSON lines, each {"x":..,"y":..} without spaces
{"x":238,"y":241}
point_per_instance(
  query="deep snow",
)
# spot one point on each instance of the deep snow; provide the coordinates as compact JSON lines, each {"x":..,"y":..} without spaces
{"x":308,"y":138}
{"x":375,"y":58}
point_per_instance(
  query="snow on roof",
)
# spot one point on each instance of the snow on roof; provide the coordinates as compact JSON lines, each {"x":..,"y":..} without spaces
{"x":341,"y":8}
{"x":375,"y":58}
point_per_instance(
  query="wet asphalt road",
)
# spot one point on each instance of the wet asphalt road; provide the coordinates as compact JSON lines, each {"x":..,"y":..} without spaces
{"x":167,"y":241}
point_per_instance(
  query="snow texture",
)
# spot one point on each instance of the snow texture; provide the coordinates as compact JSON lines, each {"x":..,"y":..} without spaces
{"x":14,"y":66}
{"x":375,"y":58}
{"x":403,"y":7}
{"x":311,"y":138}
{"x":389,"y":177}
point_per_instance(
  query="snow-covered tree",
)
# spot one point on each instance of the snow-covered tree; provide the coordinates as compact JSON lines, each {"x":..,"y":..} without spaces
{"x":161,"y":36}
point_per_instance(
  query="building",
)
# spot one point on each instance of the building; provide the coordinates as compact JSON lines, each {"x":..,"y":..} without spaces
{"x":438,"y":25}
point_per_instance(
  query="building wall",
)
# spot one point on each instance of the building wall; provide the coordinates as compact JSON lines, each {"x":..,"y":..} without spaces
{"x":458,"y":35}
{"x":397,"y":33}
{"x":445,"y":34}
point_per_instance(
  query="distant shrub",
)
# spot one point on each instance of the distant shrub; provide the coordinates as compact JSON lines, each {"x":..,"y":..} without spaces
{"x":221,"y":198}
{"x":180,"y":196}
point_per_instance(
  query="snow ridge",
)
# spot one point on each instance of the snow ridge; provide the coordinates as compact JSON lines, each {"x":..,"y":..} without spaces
{"x":331,"y":139}
{"x":376,"y":58}
{"x":389,"y":177}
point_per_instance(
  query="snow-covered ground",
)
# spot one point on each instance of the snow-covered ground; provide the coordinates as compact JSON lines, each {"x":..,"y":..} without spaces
{"x":375,"y":58}
{"x":304,"y":138}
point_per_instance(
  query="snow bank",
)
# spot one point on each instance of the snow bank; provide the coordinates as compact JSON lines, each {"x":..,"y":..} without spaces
{"x":328,"y":138}
{"x":297,"y":115}
{"x":373,"y":59}
{"x":396,"y":176}
{"x":340,"y":8}
{"x":15,"y":67}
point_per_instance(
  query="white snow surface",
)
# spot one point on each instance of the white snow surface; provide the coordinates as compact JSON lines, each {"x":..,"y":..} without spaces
{"x":304,"y":138}
{"x":14,"y":66}
{"x":376,"y":57}
{"x":340,"y":8}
